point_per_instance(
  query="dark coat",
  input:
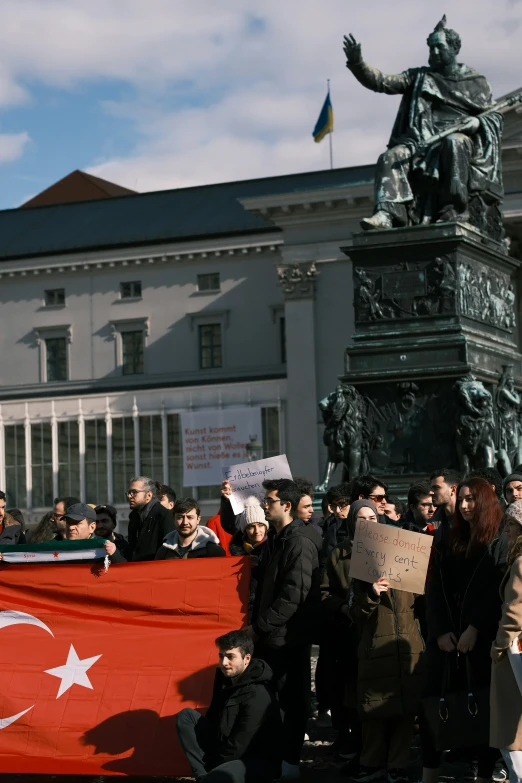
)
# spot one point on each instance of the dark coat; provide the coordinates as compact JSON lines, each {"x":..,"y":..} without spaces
{"x":12,"y":535}
{"x":389,"y":681}
{"x":123,"y":546}
{"x":206,"y":544}
{"x":287,"y":601}
{"x":145,"y":538}
{"x":462,"y":591}
{"x":244,"y":718}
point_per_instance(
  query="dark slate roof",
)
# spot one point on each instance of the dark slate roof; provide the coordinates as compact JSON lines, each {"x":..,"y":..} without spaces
{"x":160,"y":216}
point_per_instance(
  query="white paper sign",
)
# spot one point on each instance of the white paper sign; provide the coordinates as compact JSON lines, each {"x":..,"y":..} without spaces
{"x":213,"y":439}
{"x":247,"y":479}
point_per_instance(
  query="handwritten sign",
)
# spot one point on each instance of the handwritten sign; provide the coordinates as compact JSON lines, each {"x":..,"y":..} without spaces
{"x":212,"y":439}
{"x":399,"y":555}
{"x":247,"y":479}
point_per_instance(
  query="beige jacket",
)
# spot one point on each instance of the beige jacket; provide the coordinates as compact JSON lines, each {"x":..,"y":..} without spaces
{"x":506,"y":699}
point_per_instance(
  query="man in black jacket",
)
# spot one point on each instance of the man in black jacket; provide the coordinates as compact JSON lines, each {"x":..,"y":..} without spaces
{"x":238,"y":740}
{"x":189,"y":539}
{"x":285,"y":608}
{"x":149,"y":521}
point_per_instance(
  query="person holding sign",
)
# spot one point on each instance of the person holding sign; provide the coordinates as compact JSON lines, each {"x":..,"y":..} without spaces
{"x":463,"y":609}
{"x":388,"y":678}
{"x":506,"y":696}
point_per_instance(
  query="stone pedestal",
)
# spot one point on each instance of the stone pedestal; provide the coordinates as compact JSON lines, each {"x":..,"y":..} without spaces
{"x":433,"y":304}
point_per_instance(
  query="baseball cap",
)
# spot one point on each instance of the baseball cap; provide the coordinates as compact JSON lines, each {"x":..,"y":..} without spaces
{"x":79,"y":511}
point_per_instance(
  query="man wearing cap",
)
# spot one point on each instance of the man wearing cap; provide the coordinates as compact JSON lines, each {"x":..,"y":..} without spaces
{"x":105,"y":528}
{"x":80,"y":524}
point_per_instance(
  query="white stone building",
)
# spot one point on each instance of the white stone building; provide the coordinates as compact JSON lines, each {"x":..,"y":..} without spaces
{"x":118,"y":314}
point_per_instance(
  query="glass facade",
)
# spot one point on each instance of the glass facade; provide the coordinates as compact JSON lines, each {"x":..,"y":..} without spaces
{"x":68,"y":459}
{"x":67,"y":480}
{"x":15,"y":470}
{"x":42,"y":464}
{"x":123,"y":463}
{"x":96,"y":489}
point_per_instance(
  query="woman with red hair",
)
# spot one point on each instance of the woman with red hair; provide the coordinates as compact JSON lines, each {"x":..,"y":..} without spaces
{"x":463,"y":609}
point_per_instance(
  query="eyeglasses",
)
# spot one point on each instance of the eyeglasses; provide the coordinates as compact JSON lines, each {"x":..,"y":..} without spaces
{"x":377,"y":498}
{"x":131,"y":493}
{"x":269,"y":501}
{"x":427,"y":505}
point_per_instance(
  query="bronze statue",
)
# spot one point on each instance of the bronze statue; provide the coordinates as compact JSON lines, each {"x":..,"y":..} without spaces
{"x":445,"y":144}
{"x":509,"y":431}
{"x":344,"y":416}
{"x":475,"y":426}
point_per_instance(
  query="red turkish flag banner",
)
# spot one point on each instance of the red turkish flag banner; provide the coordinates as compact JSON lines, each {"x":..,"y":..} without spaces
{"x":95,"y":665}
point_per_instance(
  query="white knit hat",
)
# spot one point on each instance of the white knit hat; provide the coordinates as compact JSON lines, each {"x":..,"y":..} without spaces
{"x":253,"y":514}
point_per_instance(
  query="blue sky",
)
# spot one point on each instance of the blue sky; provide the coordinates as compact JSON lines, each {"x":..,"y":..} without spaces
{"x":157,"y":94}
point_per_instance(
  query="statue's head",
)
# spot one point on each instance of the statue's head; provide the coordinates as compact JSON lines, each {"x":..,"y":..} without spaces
{"x":444,"y":46}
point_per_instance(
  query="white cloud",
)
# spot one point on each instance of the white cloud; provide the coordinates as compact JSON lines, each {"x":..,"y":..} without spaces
{"x":12,"y":146}
{"x":232,"y":90}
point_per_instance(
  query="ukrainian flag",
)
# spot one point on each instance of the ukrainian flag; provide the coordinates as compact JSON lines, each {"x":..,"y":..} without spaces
{"x":324,"y":124}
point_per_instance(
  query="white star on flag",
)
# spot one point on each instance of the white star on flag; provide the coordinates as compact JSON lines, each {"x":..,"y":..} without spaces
{"x":73,"y":672}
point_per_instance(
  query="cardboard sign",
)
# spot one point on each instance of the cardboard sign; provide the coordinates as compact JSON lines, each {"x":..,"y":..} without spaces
{"x":212,"y":439}
{"x":401,"y":556}
{"x":247,"y":479}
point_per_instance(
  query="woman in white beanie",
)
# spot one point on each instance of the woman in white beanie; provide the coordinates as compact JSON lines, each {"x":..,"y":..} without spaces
{"x":250,"y":539}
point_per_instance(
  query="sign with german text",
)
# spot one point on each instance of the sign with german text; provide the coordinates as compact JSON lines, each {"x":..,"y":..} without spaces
{"x":247,"y":479}
{"x":213,"y":439}
{"x":399,"y":555}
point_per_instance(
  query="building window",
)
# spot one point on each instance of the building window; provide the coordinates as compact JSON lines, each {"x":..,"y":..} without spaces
{"x":68,"y":458}
{"x":282,"y":339}
{"x":55,"y":297}
{"x":96,"y":461}
{"x":270,"y":425}
{"x":209,"y":282}
{"x":132,"y":344}
{"x":210,"y":346}
{"x":123,"y":464}
{"x":131,"y":290}
{"x":56,"y":361}
{"x":15,"y":472}
{"x":42,"y":464}
{"x":151,"y":447}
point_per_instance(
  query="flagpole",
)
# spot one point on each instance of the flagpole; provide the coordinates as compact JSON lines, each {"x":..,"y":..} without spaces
{"x":330,"y":134}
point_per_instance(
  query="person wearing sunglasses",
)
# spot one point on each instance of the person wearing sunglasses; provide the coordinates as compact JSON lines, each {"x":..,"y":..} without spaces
{"x":368,"y":487}
{"x":149,"y":521}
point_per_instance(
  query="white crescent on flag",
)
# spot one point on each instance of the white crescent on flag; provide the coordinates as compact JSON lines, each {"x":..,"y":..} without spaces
{"x":11,"y":617}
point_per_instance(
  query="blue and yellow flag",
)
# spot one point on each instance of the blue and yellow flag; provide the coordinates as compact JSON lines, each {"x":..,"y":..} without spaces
{"x":324,"y":124}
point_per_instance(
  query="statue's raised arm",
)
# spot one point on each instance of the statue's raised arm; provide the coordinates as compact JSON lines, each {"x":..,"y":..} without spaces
{"x":444,"y":150}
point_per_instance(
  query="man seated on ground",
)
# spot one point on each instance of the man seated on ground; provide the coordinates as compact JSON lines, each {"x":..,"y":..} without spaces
{"x":105,"y":528}
{"x":80,"y":524}
{"x":238,"y":740}
{"x":166,"y":495}
{"x":189,"y":538}
{"x":421,"y":508}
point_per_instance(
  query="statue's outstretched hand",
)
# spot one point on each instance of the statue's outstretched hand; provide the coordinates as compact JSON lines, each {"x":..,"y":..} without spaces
{"x":471,"y":126}
{"x":352,"y":50}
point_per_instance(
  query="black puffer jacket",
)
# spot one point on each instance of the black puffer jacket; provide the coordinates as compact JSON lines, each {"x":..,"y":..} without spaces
{"x":145,"y":538}
{"x":287,"y":601}
{"x":244,"y":718}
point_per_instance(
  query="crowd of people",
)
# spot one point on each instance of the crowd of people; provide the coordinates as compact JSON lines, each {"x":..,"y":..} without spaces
{"x":390,"y":663}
